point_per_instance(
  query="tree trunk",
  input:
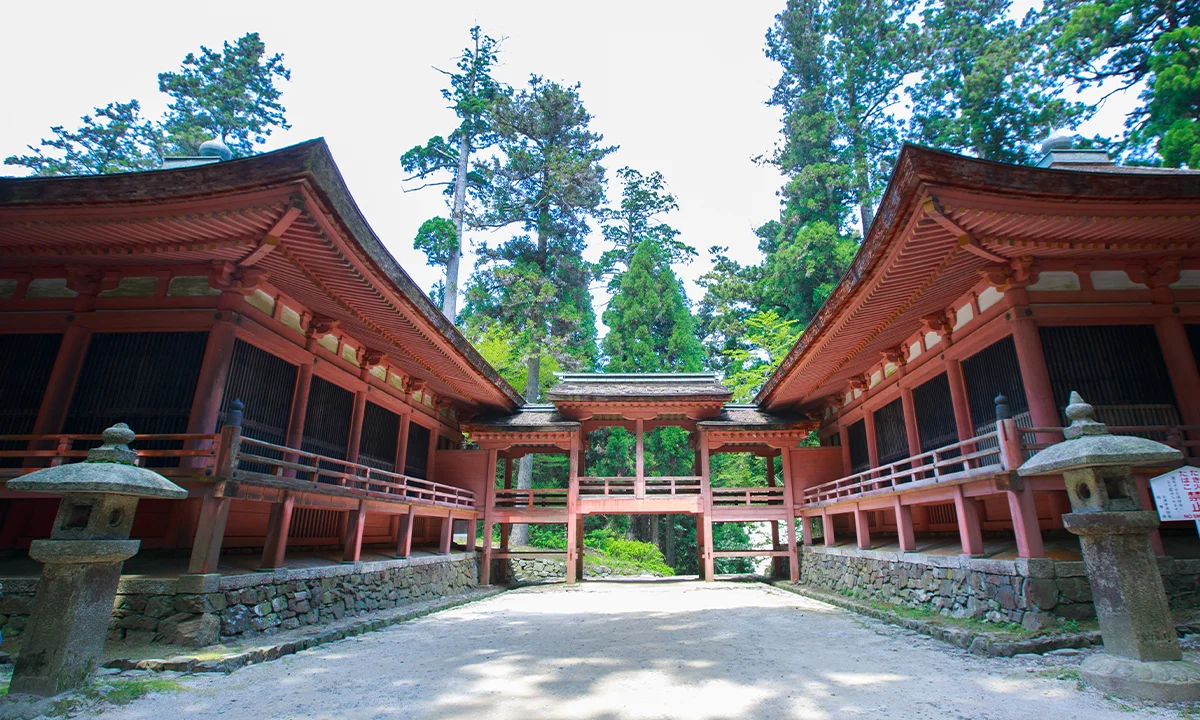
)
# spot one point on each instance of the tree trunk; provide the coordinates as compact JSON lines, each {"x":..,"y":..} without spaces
{"x":654,"y":536}
{"x":669,"y":552}
{"x":533,"y":373}
{"x":450,"y":296}
{"x":863,"y":180}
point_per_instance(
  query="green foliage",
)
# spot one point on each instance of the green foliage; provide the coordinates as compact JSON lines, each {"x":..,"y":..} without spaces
{"x":982,"y":90}
{"x":1174,"y":98}
{"x":651,"y":328}
{"x":1124,"y":44}
{"x":472,"y":94}
{"x":550,"y":537}
{"x":548,"y":180}
{"x":643,"y":199}
{"x":768,"y":339}
{"x":437,"y":238}
{"x":115,"y":139}
{"x":230,"y":95}
{"x":499,"y":345}
{"x":643,"y":553}
{"x":844,"y":62}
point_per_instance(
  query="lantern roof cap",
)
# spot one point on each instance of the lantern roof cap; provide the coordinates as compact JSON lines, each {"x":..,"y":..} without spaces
{"x":1089,"y":444}
{"x":109,"y":469}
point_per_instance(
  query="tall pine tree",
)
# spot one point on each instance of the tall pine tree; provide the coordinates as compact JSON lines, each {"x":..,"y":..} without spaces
{"x":650,"y":327}
{"x":982,"y":90}
{"x":548,"y":181}
{"x":471,"y":95}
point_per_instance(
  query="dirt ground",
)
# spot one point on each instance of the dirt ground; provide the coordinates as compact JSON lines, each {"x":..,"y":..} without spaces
{"x":662,"y":649}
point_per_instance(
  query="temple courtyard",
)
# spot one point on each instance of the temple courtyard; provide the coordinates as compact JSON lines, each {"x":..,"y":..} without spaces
{"x":670,"y":648}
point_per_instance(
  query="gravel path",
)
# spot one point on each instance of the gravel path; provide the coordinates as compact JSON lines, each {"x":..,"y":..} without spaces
{"x":640,"y":650}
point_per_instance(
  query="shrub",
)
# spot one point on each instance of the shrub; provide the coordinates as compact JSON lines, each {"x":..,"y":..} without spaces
{"x":644,"y":554}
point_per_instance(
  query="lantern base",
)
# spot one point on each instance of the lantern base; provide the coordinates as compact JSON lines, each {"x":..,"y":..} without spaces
{"x":1163,"y":681}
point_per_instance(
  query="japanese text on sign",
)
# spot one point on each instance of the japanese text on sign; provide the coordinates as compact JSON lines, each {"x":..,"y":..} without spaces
{"x":1177,"y":494}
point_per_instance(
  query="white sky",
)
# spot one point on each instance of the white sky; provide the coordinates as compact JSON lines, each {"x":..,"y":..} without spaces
{"x":679,"y":86}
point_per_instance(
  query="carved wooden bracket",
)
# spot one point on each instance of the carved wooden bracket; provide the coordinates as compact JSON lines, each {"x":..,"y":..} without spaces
{"x":1156,"y":273}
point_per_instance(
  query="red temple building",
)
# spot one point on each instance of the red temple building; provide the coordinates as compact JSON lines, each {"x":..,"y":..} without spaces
{"x":336,"y":434}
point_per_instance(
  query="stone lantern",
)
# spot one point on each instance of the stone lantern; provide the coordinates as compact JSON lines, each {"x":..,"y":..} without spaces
{"x":1142,"y":656}
{"x":82,"y":560}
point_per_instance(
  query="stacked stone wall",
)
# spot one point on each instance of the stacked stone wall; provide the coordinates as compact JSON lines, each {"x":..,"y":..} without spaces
{"x":1037,"y":593}
{"x":200,"y":610}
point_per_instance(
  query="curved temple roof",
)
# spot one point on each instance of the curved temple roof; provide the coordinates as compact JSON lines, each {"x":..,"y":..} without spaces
{"x":946,"y":218}
{"x":288,"y":213}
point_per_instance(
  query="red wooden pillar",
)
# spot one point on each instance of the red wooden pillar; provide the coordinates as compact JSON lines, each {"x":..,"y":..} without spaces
{"x":402,"y":444}
{"x":806,"y":529}
{"x":472,"y":533}
{"x":295,"y":432}
{"x":1035,"y":376}
{"x":1025,"y":523}
{"x":789,"y":502}
{"x":356,"y":425}
{"x":872,"y":441}
{"x":278,"y":525}
{"x":958,"y":398}
{"x":911,"y":428}
{"x":579,"y":551}
{"x":862,"y":529}
{"x":489,"y":502}
{"x":447,"y":535}
{"x":700,"y":547}
{"x":827,"y":526}
{"x":639,"y":482}
{"x":214,"y":371}
{"x":1181,"y":366}
{"x":573,"y":558}
{"x":404,"y":535}
{"x":56,"y":400}
{"x":969,"y":531}
{"x":352,"y":542}
{"x":844,"y":440}
{"x":210,"y":534}
{"x":706,"y":515}
{"x":433,"y":442}
{"x":776,"y":562}
{"x":904,"y":526}
{"x":505,"y":528}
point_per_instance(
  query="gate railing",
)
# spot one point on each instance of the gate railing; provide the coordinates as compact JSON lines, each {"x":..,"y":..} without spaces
{"x":656,"y":487}
{"x":531,"y":498}
{"x":747,"y":496}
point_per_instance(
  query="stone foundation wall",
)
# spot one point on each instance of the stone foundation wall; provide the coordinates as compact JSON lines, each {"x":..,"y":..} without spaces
{"x":533,"y":570}
{"x":1036,"y":593}
{"x":200,"y":610}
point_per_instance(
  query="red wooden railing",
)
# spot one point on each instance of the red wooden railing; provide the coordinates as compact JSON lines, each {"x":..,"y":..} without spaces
{"x":532,"y":498}
{"x":1185,"y":438}
{"x":988,"y":454}
{"x":321,"y":472}
{"x":975,"y":457}
{"x":241,"y":458}
{"x":609,"y":487}
{"x":197,"y":453}
{"x":747,"y":496}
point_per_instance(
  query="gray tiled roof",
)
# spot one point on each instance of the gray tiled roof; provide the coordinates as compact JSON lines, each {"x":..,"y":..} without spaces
{"x":734,"y":417}
{"x":529,"y":417}
{"x":628,"y":386}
